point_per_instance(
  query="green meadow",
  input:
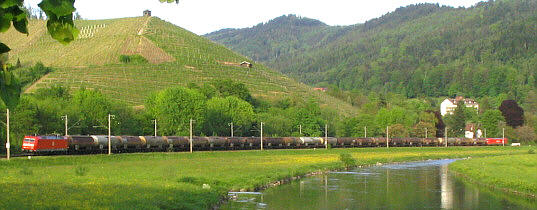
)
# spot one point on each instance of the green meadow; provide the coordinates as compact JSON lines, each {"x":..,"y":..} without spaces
{"x":515,"y":173}
{"x":182,"y":180}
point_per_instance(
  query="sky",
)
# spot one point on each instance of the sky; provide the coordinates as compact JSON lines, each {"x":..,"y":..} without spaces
{"x":205,"y":16}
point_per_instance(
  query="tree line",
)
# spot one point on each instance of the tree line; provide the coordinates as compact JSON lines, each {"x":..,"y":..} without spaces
{"x":215,"y":105}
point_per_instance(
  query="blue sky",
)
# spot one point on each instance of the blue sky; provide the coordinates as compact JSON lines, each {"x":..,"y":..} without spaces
{"x":204,"y":16}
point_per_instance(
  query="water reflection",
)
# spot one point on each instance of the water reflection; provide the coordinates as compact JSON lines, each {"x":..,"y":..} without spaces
{"x":417,"y":185}
{"x":446,"y":190}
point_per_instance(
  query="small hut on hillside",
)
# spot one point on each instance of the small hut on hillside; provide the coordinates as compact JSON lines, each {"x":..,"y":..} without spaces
{"x":246,"y":64}
{"x":147,"y":13}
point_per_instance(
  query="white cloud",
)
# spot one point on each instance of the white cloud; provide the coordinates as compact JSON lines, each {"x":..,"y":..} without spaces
{"x":204,"y":16}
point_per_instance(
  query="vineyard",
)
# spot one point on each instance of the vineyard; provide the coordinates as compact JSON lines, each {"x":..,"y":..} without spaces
{"x":175,"y":57}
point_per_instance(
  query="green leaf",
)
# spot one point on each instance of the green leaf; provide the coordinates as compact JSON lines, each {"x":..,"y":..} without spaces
{"x":58,"y":7}
{"x":21,"y":26}
{"x":5,"y":20}
{"x":10,"y":89}
{"x":3,"y":48}
{"x":60,"y":24}
{"x":17,"y":13}
{"x":20,"y":20}
{"x":62,"y":29}
{"x":10,"y":3}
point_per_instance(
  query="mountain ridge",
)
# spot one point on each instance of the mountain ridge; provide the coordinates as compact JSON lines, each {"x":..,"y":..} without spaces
{"x":422,"y":50}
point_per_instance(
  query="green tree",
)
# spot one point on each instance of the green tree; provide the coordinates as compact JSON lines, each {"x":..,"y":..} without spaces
{"x":422,"y":128}
{"x":52,"y":103}
{"x":206,"y":89}
{"x":174,"y":107}
{"x":484,"y":104}
{"x":88,"y":109}
{"x":490,"y":120}
{"x":457,"y":121}
{"x":356,"y":126}
{"x":25,"y":117}
{"x":398,"y":130}
{"x":222,"y":111}
{"x":56,"y":92}
{"x":231,"y":88}
{"x":530,"y":104}
{"x":396,"y":115}
{"x":128,"y":121}
{"x":309,"y":117}
{"x":277,"y":123}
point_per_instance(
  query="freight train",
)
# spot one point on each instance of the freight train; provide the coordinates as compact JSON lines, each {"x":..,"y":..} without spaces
{"x":118,"y":144}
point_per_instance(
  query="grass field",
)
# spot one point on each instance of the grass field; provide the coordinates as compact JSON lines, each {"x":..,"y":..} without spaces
{"x":176,"y":57}
{"x":175,"y":180}
{"x":516,"y":173}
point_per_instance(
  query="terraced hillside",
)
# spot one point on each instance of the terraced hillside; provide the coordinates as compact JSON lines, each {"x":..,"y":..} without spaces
{"x":100,"y":42}
{"x":176,"y":57}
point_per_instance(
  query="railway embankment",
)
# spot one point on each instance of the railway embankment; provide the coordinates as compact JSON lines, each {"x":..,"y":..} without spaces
{"x":199,"y":180}
{"x":515,"y":173}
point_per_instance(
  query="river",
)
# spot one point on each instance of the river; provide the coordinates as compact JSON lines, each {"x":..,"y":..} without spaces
{"x":413,"y":185}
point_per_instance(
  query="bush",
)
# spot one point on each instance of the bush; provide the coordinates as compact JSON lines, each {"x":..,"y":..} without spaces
{"x":189,"y":179}
{"x":134,"y":59}
{"x":525,"y":134}
{"x":398,"y":130}
{"x":81,"y":171}
{"x":531,"y":151}
{"x":347,"y":160}
{"x":26,"y":171}
{"x":125,"y":59}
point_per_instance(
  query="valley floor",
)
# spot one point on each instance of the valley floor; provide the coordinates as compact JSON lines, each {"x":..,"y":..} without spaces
{"x":183,"y":180}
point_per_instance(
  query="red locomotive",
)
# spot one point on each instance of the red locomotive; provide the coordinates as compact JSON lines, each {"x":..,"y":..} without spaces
{"x":496,"y":141}
{"x":44,"y":143}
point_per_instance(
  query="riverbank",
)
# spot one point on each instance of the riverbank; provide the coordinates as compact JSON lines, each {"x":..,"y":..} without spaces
{"x":183,"y":180}
{"x":516,"y":173}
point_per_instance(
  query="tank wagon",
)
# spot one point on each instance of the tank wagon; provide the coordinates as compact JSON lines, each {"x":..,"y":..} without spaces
{"x":99,"y":143}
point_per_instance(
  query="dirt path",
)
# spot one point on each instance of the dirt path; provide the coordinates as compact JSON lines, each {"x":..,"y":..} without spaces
{"x":144,"y":26}
{"x":34,"y":85}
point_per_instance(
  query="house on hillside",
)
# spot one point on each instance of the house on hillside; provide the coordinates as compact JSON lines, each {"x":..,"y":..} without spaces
{"x":449,"y":105}
{"x":147,"y":13}
{"x":471,"y":131}
{"x":246,"y":64}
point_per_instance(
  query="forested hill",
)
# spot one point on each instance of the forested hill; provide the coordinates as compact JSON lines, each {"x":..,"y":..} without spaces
{"x":282,"y":36}
{"x":418,"y":50}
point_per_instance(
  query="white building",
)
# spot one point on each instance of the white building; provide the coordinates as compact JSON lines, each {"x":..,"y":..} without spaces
{"x":449,"y":105}
{"x":470,"y":131}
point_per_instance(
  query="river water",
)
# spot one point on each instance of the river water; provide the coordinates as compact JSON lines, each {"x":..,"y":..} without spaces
{"x":414,"y":185}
